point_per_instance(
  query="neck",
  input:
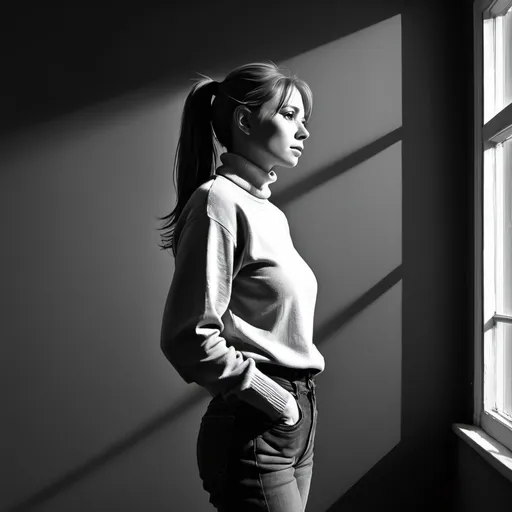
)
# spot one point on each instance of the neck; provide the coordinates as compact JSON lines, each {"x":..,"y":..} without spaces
{"x":246,"y":175}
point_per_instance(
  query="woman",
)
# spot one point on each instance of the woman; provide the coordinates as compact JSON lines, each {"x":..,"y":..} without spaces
{"x":239,"y":315}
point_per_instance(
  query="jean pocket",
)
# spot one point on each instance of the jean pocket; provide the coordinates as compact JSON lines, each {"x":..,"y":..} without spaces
{"x":284,"y":427}
{"x":213,"y":449}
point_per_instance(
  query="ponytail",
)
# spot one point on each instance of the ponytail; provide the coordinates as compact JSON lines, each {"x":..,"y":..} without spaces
{"x":196,"y":153}
{"x":204,"y":123}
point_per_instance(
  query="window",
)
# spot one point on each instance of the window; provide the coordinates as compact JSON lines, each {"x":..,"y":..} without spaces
{"x":493,"y":218}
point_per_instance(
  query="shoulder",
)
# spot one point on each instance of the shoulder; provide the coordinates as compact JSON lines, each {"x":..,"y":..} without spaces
{"x":223,"y":201}
{"x":217,"y":200}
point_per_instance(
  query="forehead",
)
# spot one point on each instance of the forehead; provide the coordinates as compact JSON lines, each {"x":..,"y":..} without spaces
{"x":294,"y":99}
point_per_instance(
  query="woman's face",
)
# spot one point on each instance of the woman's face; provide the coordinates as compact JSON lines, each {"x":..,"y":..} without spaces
{"x":279,"y":140}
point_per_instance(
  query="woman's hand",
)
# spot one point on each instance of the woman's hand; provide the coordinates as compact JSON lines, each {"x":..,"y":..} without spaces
{"x":291,"y":414}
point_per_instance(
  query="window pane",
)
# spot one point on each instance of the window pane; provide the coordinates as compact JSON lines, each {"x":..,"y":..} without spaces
{"x":488,"y":235}
{"x":498,"y":370}
{"x":507,"y":58}
{"x":504,"y":232}
{"x":504,"y":369}
{"x":488,"y":69}
{"x":497,"y":64}
{"x":490,"y":370}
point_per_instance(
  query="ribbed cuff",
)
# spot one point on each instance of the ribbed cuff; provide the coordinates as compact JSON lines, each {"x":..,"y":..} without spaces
{"x":263,"y":393}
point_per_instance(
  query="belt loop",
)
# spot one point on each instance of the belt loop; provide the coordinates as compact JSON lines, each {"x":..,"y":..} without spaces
{"x":295,"y":389}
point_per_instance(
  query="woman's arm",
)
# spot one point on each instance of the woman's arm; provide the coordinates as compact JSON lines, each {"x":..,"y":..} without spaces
{"x":191,"y":329}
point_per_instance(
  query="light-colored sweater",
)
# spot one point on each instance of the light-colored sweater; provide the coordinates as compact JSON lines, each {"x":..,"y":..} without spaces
{"x":241,"y":293}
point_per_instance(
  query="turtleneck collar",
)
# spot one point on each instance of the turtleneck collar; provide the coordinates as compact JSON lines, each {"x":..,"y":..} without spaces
{"x":246,"y":175}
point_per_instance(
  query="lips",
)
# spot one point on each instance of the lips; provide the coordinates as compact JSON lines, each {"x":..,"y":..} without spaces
{"x":297,"y":148}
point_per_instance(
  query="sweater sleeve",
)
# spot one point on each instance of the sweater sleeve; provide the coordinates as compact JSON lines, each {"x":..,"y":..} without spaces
{"x":191,"y":336}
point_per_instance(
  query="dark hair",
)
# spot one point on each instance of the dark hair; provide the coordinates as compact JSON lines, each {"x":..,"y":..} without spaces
{"x":204,"y":124}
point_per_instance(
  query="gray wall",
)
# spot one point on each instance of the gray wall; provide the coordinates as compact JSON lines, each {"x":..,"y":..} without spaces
{"x":479,"y":486}
{"x":378,"y":206}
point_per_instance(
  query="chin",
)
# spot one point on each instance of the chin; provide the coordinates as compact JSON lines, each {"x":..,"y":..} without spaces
{"x":289,"y":163}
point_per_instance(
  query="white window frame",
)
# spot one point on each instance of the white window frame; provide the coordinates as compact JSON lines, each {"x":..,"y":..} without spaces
{"x":494,"y":131}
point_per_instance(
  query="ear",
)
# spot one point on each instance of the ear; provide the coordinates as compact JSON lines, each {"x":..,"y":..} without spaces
{"x":242,"y":119}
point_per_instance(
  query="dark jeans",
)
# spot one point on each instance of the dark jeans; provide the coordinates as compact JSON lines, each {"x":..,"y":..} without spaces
{"x":249,"y":463}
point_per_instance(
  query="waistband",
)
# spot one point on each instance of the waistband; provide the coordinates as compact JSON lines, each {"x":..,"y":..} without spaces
{"x":291,"y":374}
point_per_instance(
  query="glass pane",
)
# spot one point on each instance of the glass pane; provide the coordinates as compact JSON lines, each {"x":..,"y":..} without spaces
{"x":507,"y":58}
{"x":488,"y":69}
{"x":504,"y":369}
{"x":488,"y":235}
{"x":490,"y":370}
{"x":497,"y":64}
{"x":504,"y":231}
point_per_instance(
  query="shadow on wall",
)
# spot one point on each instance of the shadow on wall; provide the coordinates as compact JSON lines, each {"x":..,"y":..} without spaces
{"x":53,"y":67}
{"x":99,"y":283}
{"x":322,"y":334}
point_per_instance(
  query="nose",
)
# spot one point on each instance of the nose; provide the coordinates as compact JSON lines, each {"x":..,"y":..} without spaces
{"x":303,"y":133}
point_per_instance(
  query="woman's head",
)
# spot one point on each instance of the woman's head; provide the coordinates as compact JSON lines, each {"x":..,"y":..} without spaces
{"x":258,"y":111}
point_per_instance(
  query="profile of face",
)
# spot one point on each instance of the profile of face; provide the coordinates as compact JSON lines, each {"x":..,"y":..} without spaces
{"x":276,"y":140}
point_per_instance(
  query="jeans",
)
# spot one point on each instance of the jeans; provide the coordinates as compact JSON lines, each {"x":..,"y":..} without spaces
{"x":249,"y":463}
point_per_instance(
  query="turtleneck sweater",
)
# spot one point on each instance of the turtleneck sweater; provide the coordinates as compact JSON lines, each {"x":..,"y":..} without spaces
{"x":241,"y":294}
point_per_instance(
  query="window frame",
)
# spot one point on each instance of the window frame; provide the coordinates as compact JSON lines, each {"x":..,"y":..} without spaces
{"x":495,"y":130}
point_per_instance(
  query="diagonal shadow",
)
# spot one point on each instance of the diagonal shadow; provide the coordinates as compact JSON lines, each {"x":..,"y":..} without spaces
{"x":116,"y":449}
{"x":43,"y":79}
{"x":339,"y":320}
{"x":345,"y":164}
{"x":329,"y":328}
{"x":322,"y":334}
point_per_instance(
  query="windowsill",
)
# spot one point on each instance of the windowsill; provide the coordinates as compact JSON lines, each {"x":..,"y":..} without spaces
{"x":493,"y":452}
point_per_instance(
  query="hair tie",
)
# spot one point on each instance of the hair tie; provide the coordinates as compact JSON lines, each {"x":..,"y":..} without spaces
{"x":215,"y":87}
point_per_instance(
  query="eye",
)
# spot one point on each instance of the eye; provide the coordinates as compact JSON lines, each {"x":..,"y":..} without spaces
{"x":290,"y":116}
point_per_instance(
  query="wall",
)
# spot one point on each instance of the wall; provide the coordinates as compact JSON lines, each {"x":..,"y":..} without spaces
{"x":479,"y":486}
{"x":97,"y":418}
